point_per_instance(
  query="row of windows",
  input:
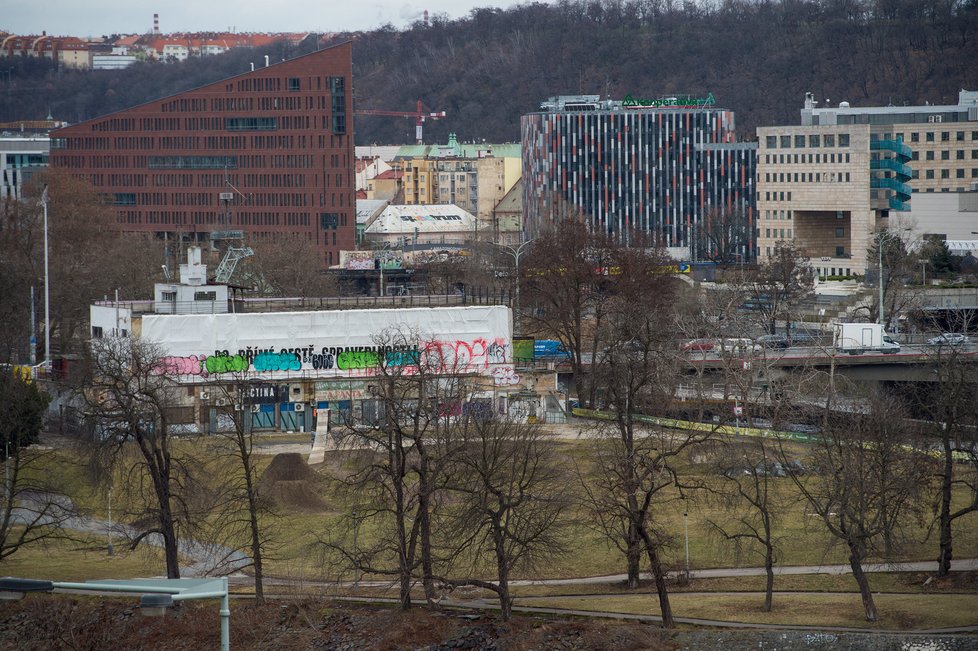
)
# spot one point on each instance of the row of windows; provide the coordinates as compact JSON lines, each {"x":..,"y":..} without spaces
{"x":115,"y":124}
{"x":800,"y":159}
{"x":807,"y":177}
{"x":930,"y":136}
{"x":192,"y":162}
{"x":250,"y":124}
{"x":782,"y":231}
{"x":184,"y":105}
{"x":777,"y":196}
{"x":946,"y":155}
{"x":776,"y":214}
{"x":946,"y":174}
{"x":813,"y":140}
{"x":274,"y":181}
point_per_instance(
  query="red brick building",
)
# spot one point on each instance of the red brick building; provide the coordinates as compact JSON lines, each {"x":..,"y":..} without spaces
{"x":268,"y":152}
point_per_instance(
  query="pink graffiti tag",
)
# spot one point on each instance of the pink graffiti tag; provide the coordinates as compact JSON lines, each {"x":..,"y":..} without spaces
{"x":191,"y":365}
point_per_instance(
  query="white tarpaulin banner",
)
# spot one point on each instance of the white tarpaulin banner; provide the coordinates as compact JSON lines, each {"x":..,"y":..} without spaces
{"x":342,"y":343}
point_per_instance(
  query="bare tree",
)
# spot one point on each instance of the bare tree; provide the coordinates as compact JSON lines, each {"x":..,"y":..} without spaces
{"x":286,"y":266}
{"x":243,"y":507}
{"x":867,"y":483}
{"x":950,"y":405}
{"x":404,"y":446}
{"x":34,"y":506}
{"x":778,"y":285}
{"x":565,"y":280}
{"x":129,"y":397}
{"x":724,"y":235}
{"x":514,"y":498}
{"x":746,"y":471}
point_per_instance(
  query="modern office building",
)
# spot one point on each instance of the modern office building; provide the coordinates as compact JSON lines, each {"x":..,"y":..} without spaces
{"x":656,"y":167}
{"x":268,"y":153}
{"x":830,"y":183}
{"x":20,"y":158}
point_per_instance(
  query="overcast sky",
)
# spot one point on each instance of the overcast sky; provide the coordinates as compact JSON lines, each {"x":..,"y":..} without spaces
{"x":98,"y":17}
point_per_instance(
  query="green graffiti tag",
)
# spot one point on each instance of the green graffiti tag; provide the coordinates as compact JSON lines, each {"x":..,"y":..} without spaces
{"x":226,"y":364}
{"x":351,"y":359}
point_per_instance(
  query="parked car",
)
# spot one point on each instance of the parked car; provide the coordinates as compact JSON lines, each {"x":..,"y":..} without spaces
{"x":700,"y":345}
{"x":738,"y":346}
{"x":948,"y":339}
{"x":773,"y":341}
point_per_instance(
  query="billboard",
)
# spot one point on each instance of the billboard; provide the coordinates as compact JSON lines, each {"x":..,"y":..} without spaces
{"x":342,"y":343}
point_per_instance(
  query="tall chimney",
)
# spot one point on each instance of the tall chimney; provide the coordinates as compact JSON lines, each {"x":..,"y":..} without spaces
{"x":156,"y":24}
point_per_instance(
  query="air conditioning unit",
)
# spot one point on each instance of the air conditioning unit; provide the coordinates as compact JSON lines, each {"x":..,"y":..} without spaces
{"x":221,"y":402}
{"x":300,"y":406}
{"x":227,"y":196}
{"x":205,"y":395}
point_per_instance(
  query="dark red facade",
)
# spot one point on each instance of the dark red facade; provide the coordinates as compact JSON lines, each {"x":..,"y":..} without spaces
{"x":268,"y":152}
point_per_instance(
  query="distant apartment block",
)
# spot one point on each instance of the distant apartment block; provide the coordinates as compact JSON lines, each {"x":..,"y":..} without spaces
{"x":653,"y":167}
{"x":267,"y":153}
{"x":831,"y":182}
{"x":474,"y":177}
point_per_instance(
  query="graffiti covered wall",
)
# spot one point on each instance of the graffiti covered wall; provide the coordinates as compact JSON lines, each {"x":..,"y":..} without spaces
{"x":347,"y":343}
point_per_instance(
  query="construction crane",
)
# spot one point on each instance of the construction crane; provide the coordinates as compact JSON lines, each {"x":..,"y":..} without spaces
{"x":419,"y":115}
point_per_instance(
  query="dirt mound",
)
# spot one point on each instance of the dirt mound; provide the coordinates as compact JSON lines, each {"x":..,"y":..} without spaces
{"x":289,"y":482}
{"x":288,"y":466}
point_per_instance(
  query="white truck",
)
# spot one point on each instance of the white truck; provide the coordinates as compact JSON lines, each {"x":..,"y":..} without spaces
{"x":857,"y":338}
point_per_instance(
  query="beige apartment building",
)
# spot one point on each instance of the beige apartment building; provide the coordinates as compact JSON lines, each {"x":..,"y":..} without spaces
{"x":474,"y":177}
{"x":830,"y":183}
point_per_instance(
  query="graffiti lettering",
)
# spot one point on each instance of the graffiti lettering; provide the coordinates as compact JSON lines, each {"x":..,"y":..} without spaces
{"x":277,"y":362}
{"x":226,"y":364}
{"x":193,"y":365}
{"x":322,"y":361}
{"x":504,"y":376}
{"x":357,"y":359}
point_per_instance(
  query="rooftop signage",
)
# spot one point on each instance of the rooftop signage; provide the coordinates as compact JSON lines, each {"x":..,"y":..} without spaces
{"x":678,"y":101}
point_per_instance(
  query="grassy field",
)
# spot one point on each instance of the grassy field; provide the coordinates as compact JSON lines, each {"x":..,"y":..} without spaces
{"x":897,"y":612}
{"x":296,"y":552}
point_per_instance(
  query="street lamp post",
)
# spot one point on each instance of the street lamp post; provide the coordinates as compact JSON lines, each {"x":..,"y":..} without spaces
{"x":515,"y":253}
{"x":882,"y":237}
{"x":47,"y":290}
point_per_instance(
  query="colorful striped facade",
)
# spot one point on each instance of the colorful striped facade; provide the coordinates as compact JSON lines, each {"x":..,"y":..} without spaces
{"x":627,"y":171}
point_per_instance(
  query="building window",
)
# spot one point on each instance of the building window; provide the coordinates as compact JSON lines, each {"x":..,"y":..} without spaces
{"x":960,"y":136}
{"x":945,"y":155}
{"x":945,"y":136}
{"x":844,"y":140}
{"x":830,"y":142}
{"x":929,"y":174}
{"x":914,"y":137}
{"x":930,"y":136}
{"x":813,"y":141}
{"x":250,"y":124}
{"x":930,"y":155}
{"x":169,"y":296}
{"x":799,"y":142}
{"x":960,"y":154}
{"x":786,"y":142}
{"x":945,"y":174}
{"x":771,"y":142}
{"x":205,"y":296}
{"x":961,"y":173}
{"x":840,"y":232}
{"x":329,"y":220}
{"x":840,"y":251}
